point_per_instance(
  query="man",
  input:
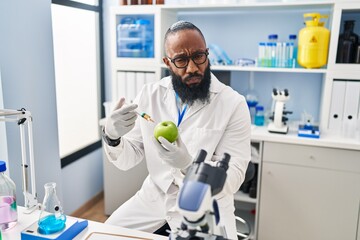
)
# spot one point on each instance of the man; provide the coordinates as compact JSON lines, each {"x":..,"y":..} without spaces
{"x":209,"y":115}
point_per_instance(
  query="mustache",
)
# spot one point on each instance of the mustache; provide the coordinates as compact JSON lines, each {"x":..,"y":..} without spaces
{"x":192,"y":75}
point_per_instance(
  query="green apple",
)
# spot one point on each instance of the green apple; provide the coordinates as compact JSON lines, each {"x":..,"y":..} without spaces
{"x":166,"y":129}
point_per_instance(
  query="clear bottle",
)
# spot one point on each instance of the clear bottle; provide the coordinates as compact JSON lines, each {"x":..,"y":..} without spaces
{"x":292,"y":51}
{"x":52,"y":218}
{"x":259,"y":116}
{"x":8,"y":206}
{"x":272,"y":38}
{"x":347,"y":44}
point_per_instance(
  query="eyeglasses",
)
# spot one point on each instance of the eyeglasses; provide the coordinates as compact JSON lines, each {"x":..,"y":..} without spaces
{"x":183,"y":61}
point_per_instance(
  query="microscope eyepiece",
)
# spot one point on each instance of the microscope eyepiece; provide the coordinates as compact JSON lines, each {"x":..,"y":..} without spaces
{"x":200,"y":156}
{"x":224,"y":163}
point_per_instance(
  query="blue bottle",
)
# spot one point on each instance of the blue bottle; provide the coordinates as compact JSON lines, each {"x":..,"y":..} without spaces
{"x":259,"y":116}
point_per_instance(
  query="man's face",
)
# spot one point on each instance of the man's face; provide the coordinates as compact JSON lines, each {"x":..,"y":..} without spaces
{"x":193,"y":81}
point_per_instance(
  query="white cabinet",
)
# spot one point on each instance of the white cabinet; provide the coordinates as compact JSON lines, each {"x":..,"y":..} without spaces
{"x":309,"y":193}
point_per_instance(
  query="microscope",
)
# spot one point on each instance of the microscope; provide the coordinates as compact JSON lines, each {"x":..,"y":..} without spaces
{"x":196,"y":202}
{"x":279,"y":120}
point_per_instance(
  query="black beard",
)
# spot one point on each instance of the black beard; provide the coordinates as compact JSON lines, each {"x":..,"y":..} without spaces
{"x":189,"y":94}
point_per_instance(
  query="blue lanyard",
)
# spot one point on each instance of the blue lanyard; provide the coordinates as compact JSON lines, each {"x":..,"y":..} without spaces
{"x":182,"y":113}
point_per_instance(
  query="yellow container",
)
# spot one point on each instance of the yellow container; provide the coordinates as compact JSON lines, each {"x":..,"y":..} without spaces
{"x":313,"y":42}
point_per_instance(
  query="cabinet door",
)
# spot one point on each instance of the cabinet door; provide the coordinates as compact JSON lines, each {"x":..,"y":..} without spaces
{"x":298,"y":202}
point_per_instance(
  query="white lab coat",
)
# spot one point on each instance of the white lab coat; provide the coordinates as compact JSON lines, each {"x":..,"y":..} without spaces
{"x":220,"y":126}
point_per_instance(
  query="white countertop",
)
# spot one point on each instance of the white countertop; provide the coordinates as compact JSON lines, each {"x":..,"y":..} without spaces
{"x":325,"y":140}
{"x":25,"y":220}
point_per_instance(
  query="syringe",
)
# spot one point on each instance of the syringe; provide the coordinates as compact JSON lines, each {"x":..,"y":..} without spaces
{"x":145,"y":116}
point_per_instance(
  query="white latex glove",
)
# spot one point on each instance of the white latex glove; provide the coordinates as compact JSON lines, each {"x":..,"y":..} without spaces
{"x":121,"y":120}
{"x":176,"y":155}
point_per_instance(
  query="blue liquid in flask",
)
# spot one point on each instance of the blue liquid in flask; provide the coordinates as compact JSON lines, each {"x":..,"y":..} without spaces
{"x":52,"y":219}
{"x":51,"y":224}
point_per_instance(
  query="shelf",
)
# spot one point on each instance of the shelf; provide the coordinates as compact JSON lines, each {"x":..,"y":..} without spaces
{"x":280,"y":5}
{"x":244,"y":197}
{"x":262,"y":69}
{"x":265,"y":69}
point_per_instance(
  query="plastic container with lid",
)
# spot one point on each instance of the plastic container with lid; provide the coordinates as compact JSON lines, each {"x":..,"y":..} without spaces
{"x":8,"y":206}
{"x":313,"y":42}
{"x":135,"y":37}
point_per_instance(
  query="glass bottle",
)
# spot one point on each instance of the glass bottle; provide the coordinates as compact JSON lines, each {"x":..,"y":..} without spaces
{"x":8,"y":206}
{"x":259,"y":116}
{"x":271,"y":45}
{"x":292,"y":51}
{"x":52,"y":219}
{"x":347,"y":44}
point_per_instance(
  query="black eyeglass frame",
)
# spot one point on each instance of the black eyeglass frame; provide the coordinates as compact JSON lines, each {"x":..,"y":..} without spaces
{"x":188,"y":59}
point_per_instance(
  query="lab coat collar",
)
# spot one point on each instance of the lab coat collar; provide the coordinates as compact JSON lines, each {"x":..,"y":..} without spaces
{"x":169,"y":97}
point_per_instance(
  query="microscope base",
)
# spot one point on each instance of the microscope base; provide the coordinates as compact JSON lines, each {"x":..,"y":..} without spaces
{"x":274,"y":129}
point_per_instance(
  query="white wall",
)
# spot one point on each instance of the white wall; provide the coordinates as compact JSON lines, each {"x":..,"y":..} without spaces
{"x":28,"y":80}
{"x":27,"y":69}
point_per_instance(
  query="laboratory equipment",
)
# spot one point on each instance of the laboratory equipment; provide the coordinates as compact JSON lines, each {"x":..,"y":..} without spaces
{"x":8,"y":207}
{"x":52,"y":218}
{"x":347,"y":45}
{"x":259,"y":116}
{"x":251,"y":97}
{"x":135,"y":37}
{"x":72,"y":229}
{"x":196,"y":202}
{"x":291,"y":62}
{"x":308,"y":130}
{"x":313,"y":42}
{"x":279,"y":120}
{"x":271,"y":45}
{"x":218,"y":56}
{"x":145,"y":116}
{"x":24,"y":119}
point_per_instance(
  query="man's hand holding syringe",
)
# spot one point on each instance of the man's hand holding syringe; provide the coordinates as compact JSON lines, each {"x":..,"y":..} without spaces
{"x":122,"y":119}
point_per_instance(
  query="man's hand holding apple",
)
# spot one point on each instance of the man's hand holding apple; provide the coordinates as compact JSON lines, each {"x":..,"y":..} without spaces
{"x":175,"y":154}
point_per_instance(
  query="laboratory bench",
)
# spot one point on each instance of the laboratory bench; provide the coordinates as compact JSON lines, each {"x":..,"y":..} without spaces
{"x":25,"y":220}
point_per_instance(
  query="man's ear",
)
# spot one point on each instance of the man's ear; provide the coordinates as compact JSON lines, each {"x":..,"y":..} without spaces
{"x":166,"y":61}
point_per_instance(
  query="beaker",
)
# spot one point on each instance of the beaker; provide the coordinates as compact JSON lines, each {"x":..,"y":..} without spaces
{"x":52,"y":219}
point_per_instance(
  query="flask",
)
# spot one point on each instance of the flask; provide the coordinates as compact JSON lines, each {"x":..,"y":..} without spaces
{"x":8,"y":207}
{"x":52,"y":219}
{"x":313,"y":42}
{"x":259,"y":116}
{"x":347,"y":44}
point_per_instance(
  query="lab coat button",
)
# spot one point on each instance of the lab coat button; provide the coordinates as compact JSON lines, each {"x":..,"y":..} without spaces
{"x":168,"y":218}
{"x":173,"y":170}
